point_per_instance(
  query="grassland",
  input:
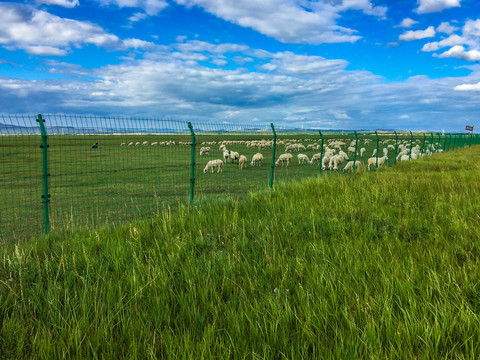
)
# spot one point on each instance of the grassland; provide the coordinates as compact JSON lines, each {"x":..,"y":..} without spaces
{"x":114,"y":184}
{"x":373,"y":265}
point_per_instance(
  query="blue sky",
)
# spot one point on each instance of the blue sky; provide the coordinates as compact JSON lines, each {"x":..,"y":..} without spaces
{"x":350,"y":64}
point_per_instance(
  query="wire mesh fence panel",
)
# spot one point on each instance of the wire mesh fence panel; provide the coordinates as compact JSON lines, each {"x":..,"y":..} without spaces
{"x":21,"y":203}
{"x":109,"y":170}
{"x":238,"y":159}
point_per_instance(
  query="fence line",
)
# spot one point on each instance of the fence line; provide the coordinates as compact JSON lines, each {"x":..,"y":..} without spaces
{"x":66,"y":171}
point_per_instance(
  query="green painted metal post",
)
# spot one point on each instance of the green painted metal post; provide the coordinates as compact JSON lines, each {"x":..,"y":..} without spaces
{"x":376,"y":162}
{"x":431,"y":142}
{"x":438,"y":142}
{"x":423,"y":144}
{"x":273,"y":155}
{"x":45,"y":174}
{"x":411,"y":142}
{"x":192,"y":163}
{"x":396,"y":148}
{"x":321,"y":153}
{"x":355,"y":153}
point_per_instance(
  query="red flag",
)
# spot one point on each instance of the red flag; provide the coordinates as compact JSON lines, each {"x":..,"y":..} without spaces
{"x":469,"y":128}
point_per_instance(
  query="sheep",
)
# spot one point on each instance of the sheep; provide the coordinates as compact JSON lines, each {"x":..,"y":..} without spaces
{"x":257,"y":159}
{"x":373,"y":160}
{"x":362,"y":151}
{"x":315,"y":158}
{"x":302,"y":159}
{"x":204,"y":151}
{"x":145,"y":143}
{"x":242,"y":162}
{"x":212,"y":164}
{"x":404,"y":158}
{"x":349,"y":166}
{"x":137,"y":143}
{"x":284,"y":158}
{"x":226,"y":155}
{"x":374,"y":152}
{"x":234,"y":156}
{"x":123,"y":144}
{"x":130,"y":143}
{"x":95,"y":146}
{"x":155,"y":143}
{"x":385,"y":151}
{"x":351,"y":149}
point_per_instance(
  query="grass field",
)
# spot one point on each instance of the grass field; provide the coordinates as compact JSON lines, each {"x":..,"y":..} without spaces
{"x":373,"y":265}
{"x":112,"y":184}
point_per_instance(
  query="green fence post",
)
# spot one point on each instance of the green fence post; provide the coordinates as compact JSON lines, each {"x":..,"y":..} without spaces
{"x":355,"y":153}
{"x":423,"y":144}
{"x":45,"y":174}
{"x":411,"y":142}
{"x":376,"y":163}
{"x":431,"y":142}
{"x":321,"y":153}
{"x":273,"y":155}
{"x":396,"y":148}
{"x":438,"y":142}
{"x":192,"y":163}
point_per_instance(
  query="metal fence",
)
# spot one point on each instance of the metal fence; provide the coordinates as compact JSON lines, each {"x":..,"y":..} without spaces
{"x":61,"y":172}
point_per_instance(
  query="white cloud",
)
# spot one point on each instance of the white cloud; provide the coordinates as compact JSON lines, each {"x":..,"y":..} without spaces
{"x":288,"y":20}
{"x":407,"y":22}
{"x":151,"y":7}
{"x":418,"y":34}
{"x":41,"y":33}
{"x":429,"y":6}
{"x":468,"y":87}
{"x":450,"y":41}
{"x":64,"y":3}
{"x":137,"y":17}
{"x":459,"y":52}
{"x":472,"y":29}
{"x":446,"y":28}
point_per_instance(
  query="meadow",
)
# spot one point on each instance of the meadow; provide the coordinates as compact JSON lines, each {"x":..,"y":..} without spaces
{"x":112,"y":184}
{"x":372,"y":265}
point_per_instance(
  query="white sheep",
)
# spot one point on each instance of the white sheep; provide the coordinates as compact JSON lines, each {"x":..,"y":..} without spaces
{"x":155,"y":143}
{"x":385,"y":151}
{"x":123,"y":144}
{"x":137,"y":143}
{"x":284,"y":158}
{"x":130,"y":143}
{"x":257,"y":159}
{"x":204,"y":151}
{"x":362,"y":151}
{"x":145,"y":143}
{"x":404,"y":158}
{"x":373,"y":160}
{"x":315,"y":158}
{"x":226,"y":155}
{"x":302,"y":159}
{"x":374,"y":152}
{"x":349,"y":166}
{"x":235,"y":156}
{"x":212,"y":164}
{"x":242,"y":161}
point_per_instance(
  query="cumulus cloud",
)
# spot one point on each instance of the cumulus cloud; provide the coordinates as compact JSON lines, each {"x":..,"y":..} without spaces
{"x":64,"y":3}
{"x":468,"y":87}
{"x":446,"y":28}
{"x":407,"y":22}
{"x":418,"y":34}
{"x":450,"y":41}
{"x":429,"y":6}
{"x":291,"y":90}
{"x":41,"y":33}
{"x":291,"y":21}
{"x":459,"y":52}
{"x":151,"y":7}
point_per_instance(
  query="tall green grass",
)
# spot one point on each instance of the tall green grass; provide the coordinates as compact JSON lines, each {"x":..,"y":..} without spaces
{"x":373,"y":265}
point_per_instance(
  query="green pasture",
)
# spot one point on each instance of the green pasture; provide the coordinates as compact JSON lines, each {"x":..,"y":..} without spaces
{"x":109,"y":185}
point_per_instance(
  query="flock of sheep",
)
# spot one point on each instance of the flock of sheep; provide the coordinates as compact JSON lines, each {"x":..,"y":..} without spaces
{"x":334,"y":156}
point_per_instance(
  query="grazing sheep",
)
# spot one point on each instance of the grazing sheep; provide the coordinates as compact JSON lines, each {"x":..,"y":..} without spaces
{"x":315,"y":158}
{"x":137,"y":143}
{"x":362,"y":151}
{"x":302,"y":159}
{"x":385,"y":151}
{"x":212,"y":164}
{"x":242,"y":161}
{"x":404,"y":158}
{"x":155,"y":143}
{"x":145,"y":143}
{"x":351,"y":149}
{"x":235,"y":156}
{"x":374,"y":152}
{"x":284,"y":158}
{"x":373,"y":160}
{"x":349,"y":166}
{"x":130,"y":143}
{"x":257,"y":159}
{"x":204,"y":151}
{"x":123,"y":144}
{"x":226,"y":155}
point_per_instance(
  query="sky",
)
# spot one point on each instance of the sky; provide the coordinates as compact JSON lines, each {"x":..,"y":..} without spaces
{"x":326,"y":64}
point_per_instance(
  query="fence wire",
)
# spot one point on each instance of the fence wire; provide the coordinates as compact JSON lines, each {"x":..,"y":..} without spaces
{"x":87,"y":171}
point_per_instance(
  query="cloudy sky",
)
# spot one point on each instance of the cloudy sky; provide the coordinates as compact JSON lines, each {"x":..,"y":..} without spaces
{"x":349,"y":64}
